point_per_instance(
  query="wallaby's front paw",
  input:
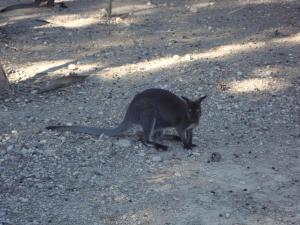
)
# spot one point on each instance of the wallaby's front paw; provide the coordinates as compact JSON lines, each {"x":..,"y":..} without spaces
{"x":189,"y":146}
{"x":161,"y":147}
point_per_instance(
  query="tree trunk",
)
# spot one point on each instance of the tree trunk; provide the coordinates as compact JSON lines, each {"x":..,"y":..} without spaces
{"x":109,"y":8}
{"x":4,"y":84}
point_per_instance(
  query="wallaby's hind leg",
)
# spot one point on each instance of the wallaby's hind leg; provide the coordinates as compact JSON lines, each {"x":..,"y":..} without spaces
{"x":148,"y":128}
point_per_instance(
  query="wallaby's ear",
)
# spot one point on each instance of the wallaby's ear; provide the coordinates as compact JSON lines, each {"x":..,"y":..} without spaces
{"x":201,"y":99}
{"x":186,"y":99}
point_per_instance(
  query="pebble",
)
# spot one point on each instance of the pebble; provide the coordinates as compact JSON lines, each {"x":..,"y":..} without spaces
{"x":194,"y":9}
{"x":71,"y":66}
{"x":43,"y":141}
{"x":188,"y":57}
{"x":119,"y":20}
{"x":23,"y":199}
{"x":156,"y":158}
{"x":123,"y":143}
{"x":176,"y":57}
{"x":142,"y":154}
{"x":215,"y":157}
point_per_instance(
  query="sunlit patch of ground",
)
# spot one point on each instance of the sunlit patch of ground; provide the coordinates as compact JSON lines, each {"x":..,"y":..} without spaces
{"x":257,"y":84}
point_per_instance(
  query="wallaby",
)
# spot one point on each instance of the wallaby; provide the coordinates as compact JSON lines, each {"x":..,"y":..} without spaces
{"x":153,"y":109}
{"x":36,"y":3}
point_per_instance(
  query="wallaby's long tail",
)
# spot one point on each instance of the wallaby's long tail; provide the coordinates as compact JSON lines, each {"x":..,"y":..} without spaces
{"x":93,"y":130}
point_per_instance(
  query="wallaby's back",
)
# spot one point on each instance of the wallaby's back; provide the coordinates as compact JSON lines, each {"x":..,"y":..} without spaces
{"x":167,"y":107}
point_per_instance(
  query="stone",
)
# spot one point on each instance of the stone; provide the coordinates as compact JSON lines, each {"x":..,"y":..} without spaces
{"x":215,"y":157}
{"x":156,"y":158}
{"x":176,"y":57}
{"x":194,"y":9}
{"x":188,"y":57}
{"x":72,"y":66}
{"x":123,"y":143}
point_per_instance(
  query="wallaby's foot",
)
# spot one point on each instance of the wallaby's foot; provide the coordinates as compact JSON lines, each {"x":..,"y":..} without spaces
{"x":189,"y":146}
{"x":161,"y":147}
{"x":157,"y":146}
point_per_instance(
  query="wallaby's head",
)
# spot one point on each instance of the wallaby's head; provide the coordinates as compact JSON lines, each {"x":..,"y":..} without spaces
{"x":194,"y":108}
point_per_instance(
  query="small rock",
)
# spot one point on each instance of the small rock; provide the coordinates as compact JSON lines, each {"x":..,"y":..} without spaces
{"x":188,"y":57}
{"x":71,"y":67}
{"x":23,"y":199}
{"x":119,"y":20}
{"x":123,"y":143}
{"x":227,"y":215}
{"x":194,"y":9}
{"x":157,"y":79}
{"x":156,"y":158}
{"x":10,"y":147}
{"x":43,"y":141}
{"x":142,"y":154}
{"x":176,"y":199}
{"x":103,"y":13}
{"x":215,"y":157}
{"x":176,"y":57}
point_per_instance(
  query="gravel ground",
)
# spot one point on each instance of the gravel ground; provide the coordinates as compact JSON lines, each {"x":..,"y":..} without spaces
{"x":243,"y":54}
